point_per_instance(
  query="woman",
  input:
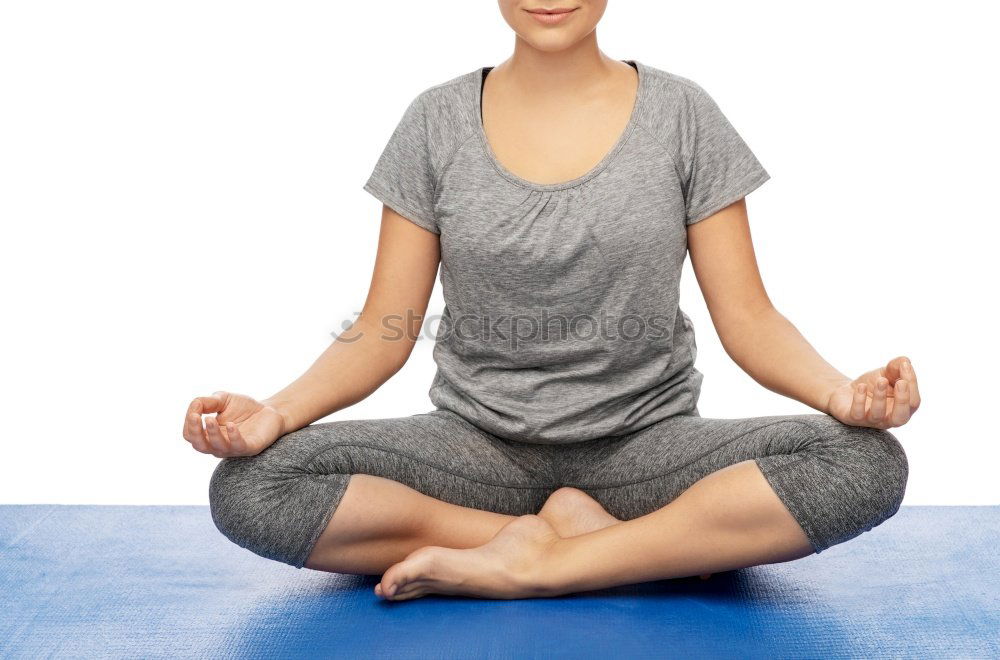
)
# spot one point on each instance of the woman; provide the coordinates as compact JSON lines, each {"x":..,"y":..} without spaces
{"x":560,"y":192}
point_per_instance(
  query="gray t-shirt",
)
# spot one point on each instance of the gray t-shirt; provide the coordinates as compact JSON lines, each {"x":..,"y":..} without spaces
{"x":561,"y":320}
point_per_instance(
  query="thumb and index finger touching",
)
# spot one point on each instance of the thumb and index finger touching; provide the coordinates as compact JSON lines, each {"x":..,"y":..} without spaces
{"x":203,"y":405}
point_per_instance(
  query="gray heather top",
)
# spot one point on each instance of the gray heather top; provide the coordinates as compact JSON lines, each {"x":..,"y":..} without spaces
{"x":561,"y":320}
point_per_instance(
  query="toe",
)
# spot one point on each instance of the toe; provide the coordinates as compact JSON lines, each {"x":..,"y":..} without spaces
{"x":417,"y":565}
{"x":411,"y":591}
{"x":409,"y":596}
{"x":391,"y":581}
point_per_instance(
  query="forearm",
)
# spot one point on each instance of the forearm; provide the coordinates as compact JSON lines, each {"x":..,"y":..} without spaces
{"x":354,"y":366}
{"x":775,"y":354}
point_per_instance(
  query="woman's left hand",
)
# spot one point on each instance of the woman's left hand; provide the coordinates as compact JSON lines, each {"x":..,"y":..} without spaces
{"x":882,"y":398}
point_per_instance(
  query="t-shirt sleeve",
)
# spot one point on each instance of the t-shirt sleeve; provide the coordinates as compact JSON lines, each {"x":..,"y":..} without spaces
{"x":720,"y":168}
{"x":403,"y":177}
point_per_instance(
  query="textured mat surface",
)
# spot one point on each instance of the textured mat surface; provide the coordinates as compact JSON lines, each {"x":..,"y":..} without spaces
{"x":85,"y":581}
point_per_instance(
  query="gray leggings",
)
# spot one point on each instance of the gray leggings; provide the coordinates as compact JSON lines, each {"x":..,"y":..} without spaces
{"x":838,"y":481}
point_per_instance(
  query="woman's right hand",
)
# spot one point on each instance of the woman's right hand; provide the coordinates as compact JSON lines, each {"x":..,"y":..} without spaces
{"x":241,"y":426}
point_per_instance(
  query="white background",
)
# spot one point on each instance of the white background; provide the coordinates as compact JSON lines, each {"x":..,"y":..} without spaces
{"x":182,"y":210}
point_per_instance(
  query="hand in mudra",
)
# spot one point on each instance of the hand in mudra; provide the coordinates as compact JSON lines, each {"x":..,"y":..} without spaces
{"x":882,"y":398}
{"x":241,"y":426}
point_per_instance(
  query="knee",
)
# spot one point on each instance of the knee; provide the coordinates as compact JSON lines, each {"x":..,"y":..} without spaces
{"x":275,"y":503}
{"x":234,"y":502}
{"x":250,"y":498}
{"x":873,"y":474}
{"x":889,"y":469}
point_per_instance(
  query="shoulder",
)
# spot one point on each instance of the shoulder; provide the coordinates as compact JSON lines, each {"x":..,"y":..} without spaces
{"x":678,"y":111}
{"x":672,"y":98}
{"x":668,"y":82}
{"x":444,"y":115}
{"x":449,"y":94}
{"x":450,"y":103}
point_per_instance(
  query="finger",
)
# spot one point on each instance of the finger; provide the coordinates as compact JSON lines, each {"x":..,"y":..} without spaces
{"x":894,"y":368}
{"x":196,"y":406}
{"x":859,"y":402}
{"x":876,"y":414}
{"x":901,"y":403}
{"x":215,"y":438}
{"x":210,"y":404}
{"x":237,"y":442}
{"x":194,"y":433}
{"x":191,"y":427}
{"x":911,"y":379}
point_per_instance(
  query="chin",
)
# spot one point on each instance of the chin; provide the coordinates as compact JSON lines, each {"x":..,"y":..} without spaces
{"x":555,"y":37}
{"x":550,"y":41}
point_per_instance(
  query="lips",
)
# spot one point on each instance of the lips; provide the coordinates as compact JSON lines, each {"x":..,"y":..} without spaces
{"x":551,"y":16}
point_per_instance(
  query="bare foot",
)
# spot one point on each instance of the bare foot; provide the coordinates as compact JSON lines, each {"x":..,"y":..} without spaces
{"x":503,"y":568}
{"x":572,"y":512}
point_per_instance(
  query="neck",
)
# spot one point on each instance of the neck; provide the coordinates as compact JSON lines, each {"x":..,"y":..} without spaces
{"x":535,"y":71}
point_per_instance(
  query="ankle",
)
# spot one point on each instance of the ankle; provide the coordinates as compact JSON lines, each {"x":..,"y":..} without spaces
{"x":548,"y":577}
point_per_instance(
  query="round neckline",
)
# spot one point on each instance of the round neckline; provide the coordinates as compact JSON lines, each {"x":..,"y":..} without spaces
{"x":586,"y":176}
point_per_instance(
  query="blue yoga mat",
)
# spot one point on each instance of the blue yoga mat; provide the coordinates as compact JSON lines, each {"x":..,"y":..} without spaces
{"x":114,"y":581}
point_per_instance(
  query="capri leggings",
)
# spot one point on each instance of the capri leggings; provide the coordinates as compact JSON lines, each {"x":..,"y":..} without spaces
{"x":838,"y":481}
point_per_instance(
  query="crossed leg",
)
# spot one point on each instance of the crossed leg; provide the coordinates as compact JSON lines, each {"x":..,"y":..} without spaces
{"x":738,"y":493}
{"x":436,"y":505}
{"x":358,"y":496}
{"x":379,"y":522}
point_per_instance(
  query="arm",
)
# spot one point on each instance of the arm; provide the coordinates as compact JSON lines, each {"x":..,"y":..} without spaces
{"x":770,"y":349}
{"x":356,"y":364}
{"x":369,"y":353}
